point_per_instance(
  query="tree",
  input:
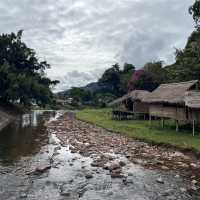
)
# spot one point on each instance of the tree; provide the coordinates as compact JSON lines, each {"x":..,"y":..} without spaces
{"x":111,"y":77}
{"x":194,"y":10}
{"x":187,"y":65}
{"x":125,"y":76}
{"x":150,"y":77}
{"x":22,"y":77}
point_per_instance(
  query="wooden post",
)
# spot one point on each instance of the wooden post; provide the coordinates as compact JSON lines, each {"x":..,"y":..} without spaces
{"x":163,"y":122}
{"x":150,"y":120}
{"x":193,"y":127}
{"x":177,"y":126}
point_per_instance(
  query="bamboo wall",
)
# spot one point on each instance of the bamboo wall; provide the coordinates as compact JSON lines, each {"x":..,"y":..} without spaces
{"x":194,"y":114}
{"x":139,"y":107}
{"x":172,"y":112}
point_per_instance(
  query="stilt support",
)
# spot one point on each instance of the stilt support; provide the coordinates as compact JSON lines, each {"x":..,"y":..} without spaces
{"x":150,"y":120}
{"x":193,"y":127}
{"x":163,"y":122}
{"x":177,"y":126}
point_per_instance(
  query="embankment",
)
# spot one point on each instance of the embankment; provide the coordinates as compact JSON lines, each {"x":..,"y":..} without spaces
{"x":5,"y":118}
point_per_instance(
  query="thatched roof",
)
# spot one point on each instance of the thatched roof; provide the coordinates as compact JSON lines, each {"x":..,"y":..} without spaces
{"x":172,"y":93}
{"x":136,"y":95}
{"x":192,"y":99}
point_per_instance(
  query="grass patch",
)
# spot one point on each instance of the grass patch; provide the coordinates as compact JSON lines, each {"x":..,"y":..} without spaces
{"x":141,"y":129}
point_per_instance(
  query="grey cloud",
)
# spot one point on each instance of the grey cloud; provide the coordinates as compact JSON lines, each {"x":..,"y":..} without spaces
{"x":88,"y":35}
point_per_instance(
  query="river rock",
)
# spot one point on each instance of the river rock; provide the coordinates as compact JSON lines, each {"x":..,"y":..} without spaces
{"x":194,"y":182}
{"x":160,"y":180}
{"x":127,"y":180}
{"x":167,"y":192}
{"x":89,"y":175}
{"x":23,"y":195}
{"x":122,"y":163}
{"x":114,"y":166}
{"x":42,"y":169}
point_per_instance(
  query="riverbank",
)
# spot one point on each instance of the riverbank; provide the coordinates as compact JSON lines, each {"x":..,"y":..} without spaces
{"x":5,"y":118}
{"x":140,"y":129}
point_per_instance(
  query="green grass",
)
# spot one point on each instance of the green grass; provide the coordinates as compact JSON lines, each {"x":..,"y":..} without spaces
{"x":141,"y":129}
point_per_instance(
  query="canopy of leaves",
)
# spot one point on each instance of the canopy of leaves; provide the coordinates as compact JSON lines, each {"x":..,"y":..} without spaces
{"x":117,"y":79}
{"x":194,"y":10}
{"x":22,"y":77}
{"x":149,"y":77}
{"x":187,"y":65}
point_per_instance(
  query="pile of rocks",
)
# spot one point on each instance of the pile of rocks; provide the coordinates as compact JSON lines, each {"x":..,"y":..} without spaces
{"x":90,"y":140}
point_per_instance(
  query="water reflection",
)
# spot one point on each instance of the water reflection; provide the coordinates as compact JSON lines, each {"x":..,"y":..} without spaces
{"x":24,"y":137}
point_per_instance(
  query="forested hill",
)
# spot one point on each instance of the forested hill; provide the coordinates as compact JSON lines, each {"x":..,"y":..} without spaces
{"x":117,"y":80}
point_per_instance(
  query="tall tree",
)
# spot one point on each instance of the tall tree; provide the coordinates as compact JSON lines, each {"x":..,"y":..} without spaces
{"x":111,"y":77}
{"x":22,"y":75}
{"x":187,"y":65}
{"x":194,"y":10}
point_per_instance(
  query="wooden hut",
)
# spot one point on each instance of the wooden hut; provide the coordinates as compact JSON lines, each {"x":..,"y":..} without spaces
{"x":175,"y":101}
{"x":130,"y":105}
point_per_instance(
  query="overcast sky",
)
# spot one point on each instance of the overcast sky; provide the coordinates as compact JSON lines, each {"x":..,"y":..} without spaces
{"x":81,"y":38}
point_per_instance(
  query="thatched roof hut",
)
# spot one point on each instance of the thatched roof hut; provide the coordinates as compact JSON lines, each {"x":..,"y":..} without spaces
{"x":192,"y":99}
{"x":136,"y":95}
{"x":179,"y":101}
{"x":172,"y":93}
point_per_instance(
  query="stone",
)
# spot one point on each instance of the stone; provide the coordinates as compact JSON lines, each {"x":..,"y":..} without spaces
{"x":127,"y":180}
{"x":42,"y":169}
{"x":110,"y":193}
{"x":122,"y":163}
{"x":167,"y":192}
{"x":194,"y":182}
{"x":114,"y":166}
{"x":116,"y":175}
{"x":88,"y":176}
{"x":171,"y":198}
{"x":194,"y":188}
{"x":130,"y":174}
{"x":183,"y":189}
{"x":194,"y":165}
{"x":164,"y":167}
{"x":160,"y":180}
{"x":177,"y":176}
{"x":23,"y":195}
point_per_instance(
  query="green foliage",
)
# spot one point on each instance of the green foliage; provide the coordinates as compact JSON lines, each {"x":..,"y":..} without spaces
{"x":116,"y":79}
{"x":80,"y":95}
{"x":111,"y":77}
{"x":194,"y":10}
{"x":187,"y":65}
{"x":149,"y":77}
{"x":22,"y":77}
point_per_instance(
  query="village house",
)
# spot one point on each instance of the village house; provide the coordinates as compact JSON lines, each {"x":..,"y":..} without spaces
{"x":130,"y":105}
{"x":178,"y":101}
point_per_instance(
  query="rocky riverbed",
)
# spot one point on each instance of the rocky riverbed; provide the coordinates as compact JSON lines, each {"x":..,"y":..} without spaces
{"x":134,"y":169}
{"x":66,"y":159}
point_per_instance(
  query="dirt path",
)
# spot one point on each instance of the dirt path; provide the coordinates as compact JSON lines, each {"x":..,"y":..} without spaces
{"x":105,"y":148}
